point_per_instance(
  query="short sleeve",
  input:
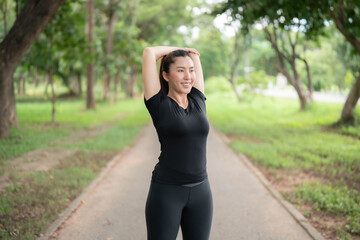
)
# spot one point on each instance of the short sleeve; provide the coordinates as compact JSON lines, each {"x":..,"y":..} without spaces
{"x":153,"y":105}
{"x":198,"y":93}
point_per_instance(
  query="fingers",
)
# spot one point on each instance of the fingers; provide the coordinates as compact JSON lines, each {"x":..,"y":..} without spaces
{"x":192,"y":50}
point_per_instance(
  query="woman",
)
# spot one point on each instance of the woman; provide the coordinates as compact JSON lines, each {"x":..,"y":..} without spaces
{"x":179,"y":193}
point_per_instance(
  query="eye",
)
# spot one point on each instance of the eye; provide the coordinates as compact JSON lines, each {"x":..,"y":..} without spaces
{"x":180,"y":70}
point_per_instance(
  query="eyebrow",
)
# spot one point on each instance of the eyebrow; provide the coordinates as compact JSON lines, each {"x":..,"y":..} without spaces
{"x":184,"y":67}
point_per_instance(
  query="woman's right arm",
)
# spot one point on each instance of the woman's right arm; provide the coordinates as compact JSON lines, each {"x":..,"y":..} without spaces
{"x":149,"y":69}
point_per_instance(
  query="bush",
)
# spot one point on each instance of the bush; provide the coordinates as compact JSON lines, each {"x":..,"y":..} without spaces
{"x":258,"y":79}
{"x":217,"y":84}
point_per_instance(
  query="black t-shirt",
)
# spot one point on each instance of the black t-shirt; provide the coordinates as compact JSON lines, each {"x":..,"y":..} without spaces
{"x":182,"y":134}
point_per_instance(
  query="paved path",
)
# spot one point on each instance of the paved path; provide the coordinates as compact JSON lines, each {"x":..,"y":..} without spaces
{"x":317,"y":96}
{"x":243,"y":207}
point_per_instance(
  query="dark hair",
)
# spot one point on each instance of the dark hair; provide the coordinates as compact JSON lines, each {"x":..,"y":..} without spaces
{"x":166,"y":61}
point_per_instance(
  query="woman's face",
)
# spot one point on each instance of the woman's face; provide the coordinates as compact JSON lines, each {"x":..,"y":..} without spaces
{"x":181,"y":76}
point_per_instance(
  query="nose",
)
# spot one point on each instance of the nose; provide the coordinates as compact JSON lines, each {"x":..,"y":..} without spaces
{"x":187,"y":74}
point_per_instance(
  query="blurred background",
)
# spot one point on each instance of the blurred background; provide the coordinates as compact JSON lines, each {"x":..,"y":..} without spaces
{"x":282,"y":81}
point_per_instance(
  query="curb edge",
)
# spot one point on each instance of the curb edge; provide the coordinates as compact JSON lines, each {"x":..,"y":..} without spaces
{"x":299,"y":218}
{"x":78,"y":201}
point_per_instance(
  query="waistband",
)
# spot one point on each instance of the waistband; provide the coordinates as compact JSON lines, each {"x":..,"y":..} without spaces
{"x":193,"y":184}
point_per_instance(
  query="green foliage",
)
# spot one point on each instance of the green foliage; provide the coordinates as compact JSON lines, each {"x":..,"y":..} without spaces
{"x":350,"y":130}
{"x":258,"y":79}
{"x":217,"y":84}
{"x":274,"y":134}
{"x":8,"y":15}
{"x":334,"y":199}
{"x":61,"y":45}
{"x":262,"y":56}
{"x":54,"y":189}
{"x":214,"y":52}
{"x":324,"y":78}
{"x":338,"y":200}
{"x":36,"y":133}
{"x":159,"y":20}
{"x":309,"y":16}
{"x":35,"y":199}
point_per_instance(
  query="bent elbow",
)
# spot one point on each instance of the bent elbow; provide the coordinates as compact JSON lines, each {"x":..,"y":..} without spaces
{"x":147,"y":51}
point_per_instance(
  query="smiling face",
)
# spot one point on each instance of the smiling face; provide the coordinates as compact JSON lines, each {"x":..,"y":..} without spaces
{"x":181,"y":76}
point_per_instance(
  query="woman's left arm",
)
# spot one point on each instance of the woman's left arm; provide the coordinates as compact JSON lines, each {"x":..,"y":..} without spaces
{"x":199,"y":83}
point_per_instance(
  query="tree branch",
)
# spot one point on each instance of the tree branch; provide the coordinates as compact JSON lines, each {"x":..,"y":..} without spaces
{"x":349,"y":37}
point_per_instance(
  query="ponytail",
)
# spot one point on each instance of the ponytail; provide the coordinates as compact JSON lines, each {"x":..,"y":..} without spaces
{"x":163,"y":83}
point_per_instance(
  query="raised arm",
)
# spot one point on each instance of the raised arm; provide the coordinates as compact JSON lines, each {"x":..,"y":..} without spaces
{"x":150,"y":73}
{"x":199,"y":83}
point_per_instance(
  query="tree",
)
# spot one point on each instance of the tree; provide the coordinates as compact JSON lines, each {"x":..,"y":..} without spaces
{"x":214,"y":51}
{"x":108,"y":10}
{"x":288,"y":58}
{"x":345,"y":15}
{"x":312,"y":17}
{"x":280,"y":36}
{"x":12,"y":49}
{"x":234,"y":63}
{"x":90,"y":99}
{"x":155,"y":22}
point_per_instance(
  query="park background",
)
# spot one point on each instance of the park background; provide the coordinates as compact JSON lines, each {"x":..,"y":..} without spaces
{"x":71,"y":97}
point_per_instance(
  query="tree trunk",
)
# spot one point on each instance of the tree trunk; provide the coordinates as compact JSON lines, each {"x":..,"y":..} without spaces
{"x":47,"y":86}
{"x":109,"y":45}
{"x":18,"y":85}
{"x":23,"y":86}
{"x":293,"y":80}
{"x":106,"y":83}
{"x":347,"y":114}
{"x":132,"y":81}
{"x":296,"y":83}
{"x":238,"y":95}
{"x":117,"y":81}
{"x":53,"y":96}
{"x":233,"y":67}
{"x":90,"y":100}
{"x":78,"y":78}
{"x":303,"y":96}
{"x":12,"y":49}
{"x":4,"y":11}
{"x":8,"y":116}
{"x":310,"y":85}
{"x":35,"y":78}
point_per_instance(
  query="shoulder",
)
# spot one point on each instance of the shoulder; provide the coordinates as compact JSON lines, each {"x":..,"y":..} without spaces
{"x":196,"y":92}
{"x":155,"y":99}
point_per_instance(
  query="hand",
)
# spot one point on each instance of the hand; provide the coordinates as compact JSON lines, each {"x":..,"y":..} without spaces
{"x":192,"y":50}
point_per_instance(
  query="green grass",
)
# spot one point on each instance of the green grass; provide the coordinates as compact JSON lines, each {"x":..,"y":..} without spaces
{"x":339,"y":200}
{"x":274,"y":134}
{"x":36,"y":132}
{"x":34,"y":199}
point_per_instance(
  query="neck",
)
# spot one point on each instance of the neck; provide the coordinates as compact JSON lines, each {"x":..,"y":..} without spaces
{"x":180,"y":98}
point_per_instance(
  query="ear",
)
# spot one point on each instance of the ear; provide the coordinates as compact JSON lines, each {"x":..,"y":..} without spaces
{"x":164,"y":74}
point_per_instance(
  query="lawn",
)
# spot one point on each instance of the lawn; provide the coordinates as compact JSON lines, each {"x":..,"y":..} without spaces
{"x":33,"y":199}
{"x":315,"y":166}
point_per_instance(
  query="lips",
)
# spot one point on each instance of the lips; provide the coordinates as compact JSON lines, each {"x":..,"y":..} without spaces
{"x":186,"y":84}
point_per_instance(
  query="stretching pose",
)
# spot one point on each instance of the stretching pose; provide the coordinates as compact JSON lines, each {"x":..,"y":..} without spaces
{"x":179,"y":193}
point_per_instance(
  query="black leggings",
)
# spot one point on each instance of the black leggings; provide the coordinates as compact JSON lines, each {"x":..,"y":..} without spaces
{"x":169,"y":206}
